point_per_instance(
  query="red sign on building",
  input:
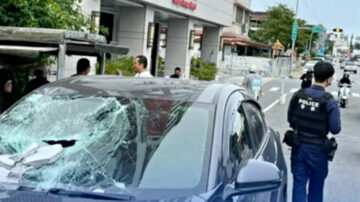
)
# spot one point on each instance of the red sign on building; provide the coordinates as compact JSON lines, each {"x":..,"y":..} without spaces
{"x":186,"y":4}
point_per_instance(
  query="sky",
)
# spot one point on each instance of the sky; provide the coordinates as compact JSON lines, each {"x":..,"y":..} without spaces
{"x":332,"y":14}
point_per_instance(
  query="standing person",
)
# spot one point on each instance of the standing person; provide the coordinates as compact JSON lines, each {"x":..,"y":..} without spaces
{"x":140,"y":65}
{"x":7,"y":98}
{"x":307,"y":79}
{"x":177,"y":73}
{"x":38,"y":81}
{"x":313,"y":113}
{"x":82,"y":67}
{"x":252,"y":82}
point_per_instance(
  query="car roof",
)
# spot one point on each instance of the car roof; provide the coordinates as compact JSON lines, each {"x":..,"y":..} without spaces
{"x":151,"y":88}
{"x":46,"y":36}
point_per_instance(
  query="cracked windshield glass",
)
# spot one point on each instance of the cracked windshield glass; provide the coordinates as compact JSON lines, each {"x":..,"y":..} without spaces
{"x":104,"y":143}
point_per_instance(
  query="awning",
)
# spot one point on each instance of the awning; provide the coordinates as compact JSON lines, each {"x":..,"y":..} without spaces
{"x":243,"y":42}
{"x":25,"y":51}
{"x":230,"y":37}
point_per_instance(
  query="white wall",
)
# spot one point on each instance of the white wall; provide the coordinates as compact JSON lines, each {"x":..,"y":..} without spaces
{"x":133,"y":29}
{"x":211,"y":43}
{"x":177,"y":48}
{"x":90,"y":5}
{"x":245,"y":3}
{"x":215,"y":11}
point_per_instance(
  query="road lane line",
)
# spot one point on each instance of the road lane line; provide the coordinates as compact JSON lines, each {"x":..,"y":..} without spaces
{"x":355,"y":94}
{"x":271,"y":106}
{"x":274,"y":89}
{"x":294,"y":90}
{"x":334,"y":93}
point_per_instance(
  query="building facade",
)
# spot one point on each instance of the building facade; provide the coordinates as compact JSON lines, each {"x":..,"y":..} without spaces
{"x":152,"y":27}
{"x":256,"y":20}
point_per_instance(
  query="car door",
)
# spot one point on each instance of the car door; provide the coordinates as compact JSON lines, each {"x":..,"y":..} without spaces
{"x":245,"y":137}
{"x":237,"y":148}
{"x":262,"y":140}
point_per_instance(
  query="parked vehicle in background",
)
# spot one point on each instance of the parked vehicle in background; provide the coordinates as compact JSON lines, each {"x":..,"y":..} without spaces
{"x":318,"y":59}
{"x":309,"y":66}
{"x":342,"y":64}
{"x":350,"y":66}
{"x":133,"y":139}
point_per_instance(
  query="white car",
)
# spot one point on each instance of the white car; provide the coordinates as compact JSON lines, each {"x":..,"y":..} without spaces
{"x":350,"y":67}
{"x":310,"y":65}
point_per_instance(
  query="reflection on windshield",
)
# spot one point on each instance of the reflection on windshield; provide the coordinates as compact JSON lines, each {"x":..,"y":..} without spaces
{"x":110,"y":143}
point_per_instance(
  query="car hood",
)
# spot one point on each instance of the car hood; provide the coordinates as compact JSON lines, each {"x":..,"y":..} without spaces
{"x":22,"y":196}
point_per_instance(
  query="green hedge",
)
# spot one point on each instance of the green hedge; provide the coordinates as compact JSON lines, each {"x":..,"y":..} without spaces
{"x":202,"y":70}
{"x":124,"y":64}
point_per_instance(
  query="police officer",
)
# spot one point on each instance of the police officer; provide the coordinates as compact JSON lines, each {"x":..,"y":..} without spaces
{"x":312,"y":113}
{"x":306,"y":79}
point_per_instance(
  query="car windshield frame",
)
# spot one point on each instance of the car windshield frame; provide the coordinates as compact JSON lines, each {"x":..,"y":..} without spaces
{"x":147,"y":192}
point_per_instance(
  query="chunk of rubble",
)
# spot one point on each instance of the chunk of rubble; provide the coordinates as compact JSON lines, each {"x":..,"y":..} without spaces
{"x":29,"y":151}
{"x":6,"y":161}
{"x":6,"y":181}
{"x":44,"y":155}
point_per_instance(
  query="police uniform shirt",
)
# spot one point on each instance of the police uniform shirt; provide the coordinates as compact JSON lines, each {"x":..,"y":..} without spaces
{"x":332,"y":109}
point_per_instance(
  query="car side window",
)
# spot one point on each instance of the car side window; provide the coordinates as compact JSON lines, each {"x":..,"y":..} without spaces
{"x":237,"y":136}
{"x":255,"y":123}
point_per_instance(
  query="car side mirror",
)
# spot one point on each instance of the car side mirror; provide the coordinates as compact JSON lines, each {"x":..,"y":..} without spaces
{"x":257,"y":176}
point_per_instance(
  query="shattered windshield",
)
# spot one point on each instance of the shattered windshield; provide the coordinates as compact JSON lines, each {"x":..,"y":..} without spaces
{"x":105,"y":143}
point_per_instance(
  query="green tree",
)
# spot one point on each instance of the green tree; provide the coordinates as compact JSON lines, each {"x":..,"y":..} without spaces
{"x":62,"y":14}
{"x":329,"y":46}
{"x":357,"y":46}
{"x":278,"y":25}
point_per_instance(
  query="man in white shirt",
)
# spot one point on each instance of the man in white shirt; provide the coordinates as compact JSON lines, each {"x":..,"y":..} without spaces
{"x":140,"y":64}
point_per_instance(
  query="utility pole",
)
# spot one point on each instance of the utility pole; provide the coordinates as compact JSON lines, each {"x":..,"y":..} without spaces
{"x":293,"y":40}
{"x":310,"y":45}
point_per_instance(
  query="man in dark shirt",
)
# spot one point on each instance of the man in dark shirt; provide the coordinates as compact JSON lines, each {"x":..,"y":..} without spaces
{"x":38,"y":81}
{"x":82,"y":67}
{"x":177,"y":73}
{"x":312,"y":113}
{"x":307,"y":79}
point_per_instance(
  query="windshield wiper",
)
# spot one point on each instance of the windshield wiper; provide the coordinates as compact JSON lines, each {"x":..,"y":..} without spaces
{"x":91,"y":195}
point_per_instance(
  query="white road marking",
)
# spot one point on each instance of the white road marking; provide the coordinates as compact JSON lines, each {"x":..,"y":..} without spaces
{"x":355,"y":94}
{"x":271,"y":106}
{"x":294,"y":90}
{"x":334,"y":93}
{"x":274,"y":89}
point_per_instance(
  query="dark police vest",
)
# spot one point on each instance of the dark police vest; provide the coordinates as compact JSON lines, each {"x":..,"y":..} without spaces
{"x":310,"y":114}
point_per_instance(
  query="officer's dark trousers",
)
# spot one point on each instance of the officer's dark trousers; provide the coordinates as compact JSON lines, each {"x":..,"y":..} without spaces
{"x":308,"y":163}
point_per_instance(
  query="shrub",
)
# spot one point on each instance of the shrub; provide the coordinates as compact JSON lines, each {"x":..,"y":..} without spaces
{"x":124,"y":64}
{"x":203,"y":70}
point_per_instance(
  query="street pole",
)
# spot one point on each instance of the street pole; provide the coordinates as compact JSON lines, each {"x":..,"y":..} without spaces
{"x":310,"y":43}
{"x":293,"y":41}
{"x":231,"y":67}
